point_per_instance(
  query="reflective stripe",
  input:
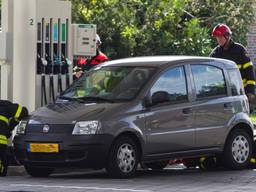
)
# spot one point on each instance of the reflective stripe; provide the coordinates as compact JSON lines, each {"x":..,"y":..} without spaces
{"x":201,"y":161}
{"x":5,"y":119}
{"x":17,"y":115}
{"x":252,"y":160}
{"x":3,"y":140}
{"x":106,"y":82}
{"x":246,"y":65}
{"x":250,"y":82}
{"x":3,"y":137}
{"x":1,"y":167}
{"x":98,"y":87}
{"x":239,"y":66}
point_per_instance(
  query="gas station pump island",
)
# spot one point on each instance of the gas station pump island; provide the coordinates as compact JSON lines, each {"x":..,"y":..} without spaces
{"x":37,"y":46}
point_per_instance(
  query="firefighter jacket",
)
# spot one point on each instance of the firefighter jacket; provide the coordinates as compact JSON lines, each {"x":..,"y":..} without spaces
{"x":10,"y":114}
{"x":237,"y":53}
{"x":86,"y":64}
{"x":98,"y":58}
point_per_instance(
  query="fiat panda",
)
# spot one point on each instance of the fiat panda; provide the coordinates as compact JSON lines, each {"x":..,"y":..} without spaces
{"x":141,"y":110}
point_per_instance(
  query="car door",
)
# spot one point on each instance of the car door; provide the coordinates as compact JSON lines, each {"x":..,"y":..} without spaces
{"x":169,"y":124}
{"x":212,"y":106}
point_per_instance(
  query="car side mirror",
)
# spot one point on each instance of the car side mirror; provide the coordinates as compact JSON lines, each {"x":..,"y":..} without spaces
{"x":160,"y":97}
{"x":147,"y":101}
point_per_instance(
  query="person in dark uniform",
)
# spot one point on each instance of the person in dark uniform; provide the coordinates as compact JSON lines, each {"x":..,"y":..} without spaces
{"x":228,"y":49}
{"x":10,"y":115}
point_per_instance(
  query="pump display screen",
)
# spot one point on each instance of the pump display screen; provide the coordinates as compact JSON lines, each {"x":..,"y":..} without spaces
{"x":39,"y":32}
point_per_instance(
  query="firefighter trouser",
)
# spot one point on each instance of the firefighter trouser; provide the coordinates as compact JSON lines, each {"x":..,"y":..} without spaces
{"x":3,"y":160}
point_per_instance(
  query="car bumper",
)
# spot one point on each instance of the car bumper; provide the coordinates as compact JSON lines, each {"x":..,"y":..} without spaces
{"x":74,"y":151}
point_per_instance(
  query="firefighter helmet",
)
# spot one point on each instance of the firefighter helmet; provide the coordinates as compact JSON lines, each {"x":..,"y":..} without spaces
{"x":221,"y":30}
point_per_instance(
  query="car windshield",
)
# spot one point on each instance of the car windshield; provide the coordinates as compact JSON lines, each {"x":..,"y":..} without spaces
{"x":112,"y":83}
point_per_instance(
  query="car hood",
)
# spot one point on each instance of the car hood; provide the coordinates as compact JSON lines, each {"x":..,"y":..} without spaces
{"x":70,"y":112}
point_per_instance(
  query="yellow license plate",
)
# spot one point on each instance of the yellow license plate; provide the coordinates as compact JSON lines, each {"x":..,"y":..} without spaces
{"x":43,"y":147}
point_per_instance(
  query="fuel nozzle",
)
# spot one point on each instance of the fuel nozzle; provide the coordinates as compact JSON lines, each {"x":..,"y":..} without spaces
{"x":65,"y":65}
{"x":44,"y":61}
{"x":57,"y":65}
{"x":57,"y":61}
{"x":49,"y":67}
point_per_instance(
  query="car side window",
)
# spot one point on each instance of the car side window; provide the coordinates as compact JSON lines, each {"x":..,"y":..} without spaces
{"x":235,"y":82}
{"x":173,"y":84}
{"x":209,"y":81}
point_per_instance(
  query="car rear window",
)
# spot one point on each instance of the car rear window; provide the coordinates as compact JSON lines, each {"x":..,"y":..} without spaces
{"x":235,"y":82}
{"x":209,"y":81}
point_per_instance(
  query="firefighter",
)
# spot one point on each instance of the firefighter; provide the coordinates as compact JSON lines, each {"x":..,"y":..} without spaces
{"x":10,"y":115}
{"x":96,"y":60}
{"x":99,"y":57}
{"x":228,"y":49}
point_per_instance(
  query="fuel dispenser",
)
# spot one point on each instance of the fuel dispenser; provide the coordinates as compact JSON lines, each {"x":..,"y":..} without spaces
{"x":53,"y":63}
{"x":39,"y":52}
{"x":37,"y":46}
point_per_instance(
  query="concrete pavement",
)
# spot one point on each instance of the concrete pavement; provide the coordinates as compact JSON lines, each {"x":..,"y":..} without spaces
{"x":168,"y":180}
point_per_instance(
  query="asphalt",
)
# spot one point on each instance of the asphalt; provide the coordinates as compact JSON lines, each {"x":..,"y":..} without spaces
{"x":16,"y":171}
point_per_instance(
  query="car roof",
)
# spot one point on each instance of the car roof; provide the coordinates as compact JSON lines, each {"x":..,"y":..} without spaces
{"x":157,"y":61}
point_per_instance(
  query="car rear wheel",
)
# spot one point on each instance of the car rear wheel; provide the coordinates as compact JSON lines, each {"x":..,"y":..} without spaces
{"x":157,"y":165}
{"x":123,"y":158}
{"x":38,"y":171}
{"x":238,"y":150}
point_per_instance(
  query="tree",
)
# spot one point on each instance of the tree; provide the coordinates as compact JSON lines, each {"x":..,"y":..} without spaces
{"x":143,"y":27}
{"x":237,"y":14}
{"x":162,"y":27}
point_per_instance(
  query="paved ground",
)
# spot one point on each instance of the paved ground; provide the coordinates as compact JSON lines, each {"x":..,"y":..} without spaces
{"x":168,"y":180}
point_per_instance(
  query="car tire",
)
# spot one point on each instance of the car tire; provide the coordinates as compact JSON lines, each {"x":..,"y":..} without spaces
{"x":238,"y":150}
{"x":38,"y":171}
{"x":123,"y":158}
{"x":157,"y":165}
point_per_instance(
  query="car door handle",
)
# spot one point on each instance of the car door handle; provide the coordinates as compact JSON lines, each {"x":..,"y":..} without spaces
{"x":228,"y":105}
{"x":155,"y":121}
{"x":187,"y":110}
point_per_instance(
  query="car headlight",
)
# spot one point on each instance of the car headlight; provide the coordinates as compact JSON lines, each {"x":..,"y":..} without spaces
{"x":21,"y":127}
{"x":86,"y":128}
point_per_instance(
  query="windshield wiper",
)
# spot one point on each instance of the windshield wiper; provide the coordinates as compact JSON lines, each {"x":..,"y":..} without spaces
{"x":96,"y":99}
{"x":70,"y":98}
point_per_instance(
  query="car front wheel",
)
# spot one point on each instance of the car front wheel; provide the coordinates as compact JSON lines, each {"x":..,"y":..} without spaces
{"x":238,"y":150}
{"x":123,"y":158}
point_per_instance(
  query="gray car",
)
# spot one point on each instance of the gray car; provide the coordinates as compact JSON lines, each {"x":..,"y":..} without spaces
{"x":141,"y":110}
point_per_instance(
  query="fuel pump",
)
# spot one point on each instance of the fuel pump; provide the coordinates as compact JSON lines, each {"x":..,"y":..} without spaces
{"x":55,"y":39}
{"x":39,"y":52}
{"x":66,"y":62}
{"x":49,"y":37}
{"x":41,"y":61}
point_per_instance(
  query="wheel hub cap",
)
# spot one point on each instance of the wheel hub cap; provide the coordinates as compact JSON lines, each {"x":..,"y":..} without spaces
{"x":126,"y":158}
{"x":240,"y":149}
